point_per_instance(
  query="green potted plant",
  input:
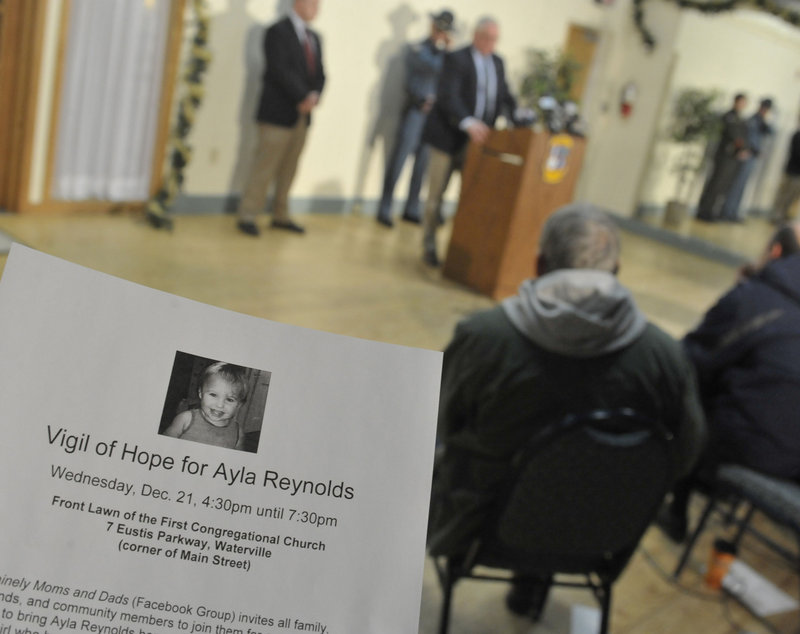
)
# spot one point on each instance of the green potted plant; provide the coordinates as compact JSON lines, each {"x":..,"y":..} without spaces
{"x":547,"y":75}
{"x":693,"y":125}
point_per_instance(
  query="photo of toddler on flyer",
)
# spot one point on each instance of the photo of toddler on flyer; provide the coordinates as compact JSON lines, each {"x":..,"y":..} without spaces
{"x":215,"y":403}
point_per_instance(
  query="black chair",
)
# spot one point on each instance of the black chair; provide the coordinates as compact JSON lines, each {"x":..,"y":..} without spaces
{"x":777,"y":499}
{"x":582,"y":494}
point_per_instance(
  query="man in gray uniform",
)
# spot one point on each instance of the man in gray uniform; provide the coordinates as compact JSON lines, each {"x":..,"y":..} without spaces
{"x":423,"y":63}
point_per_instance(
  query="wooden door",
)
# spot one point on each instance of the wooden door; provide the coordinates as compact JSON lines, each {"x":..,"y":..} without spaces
{"x":22,"y":42}
{"x":21,"y":28}
{"x":581,"y":46}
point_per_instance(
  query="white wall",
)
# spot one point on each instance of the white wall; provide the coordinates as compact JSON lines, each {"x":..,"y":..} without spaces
{"x":743,"y":51}
{"x":618,"y":147}
{"x":361,"y":38}
{"x":622,"y":167}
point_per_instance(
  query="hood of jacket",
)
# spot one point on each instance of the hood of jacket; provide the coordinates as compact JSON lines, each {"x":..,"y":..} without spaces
{"x":576,"y":313}
{"x":783,"y":275}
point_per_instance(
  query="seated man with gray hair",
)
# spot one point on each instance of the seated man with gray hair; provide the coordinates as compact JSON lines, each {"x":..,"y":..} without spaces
{"x":572,"y":340}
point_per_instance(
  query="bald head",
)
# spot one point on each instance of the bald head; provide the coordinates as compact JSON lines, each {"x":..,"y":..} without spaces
{"x":579,"y":236}
{"x":487,"y":32}
{"x":306,"y":9}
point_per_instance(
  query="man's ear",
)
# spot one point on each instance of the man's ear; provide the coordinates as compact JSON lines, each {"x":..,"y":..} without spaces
{"x":775,"y":251}
{"x":615,"y":270}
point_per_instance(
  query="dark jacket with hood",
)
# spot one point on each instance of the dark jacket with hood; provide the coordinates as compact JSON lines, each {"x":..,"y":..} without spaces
{"x":570,"y":341}
{"x":747,"y":355}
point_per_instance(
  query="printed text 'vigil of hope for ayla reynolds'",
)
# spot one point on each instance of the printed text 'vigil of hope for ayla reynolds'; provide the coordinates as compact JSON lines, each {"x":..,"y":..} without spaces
{"x":81,"y":443}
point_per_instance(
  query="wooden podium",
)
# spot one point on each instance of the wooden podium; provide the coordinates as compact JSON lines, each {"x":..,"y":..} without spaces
{"x":509,"y":186}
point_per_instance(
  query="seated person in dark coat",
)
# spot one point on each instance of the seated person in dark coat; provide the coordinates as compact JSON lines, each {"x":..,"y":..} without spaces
{"x":572,"y":340}
{"x":747,"y":355}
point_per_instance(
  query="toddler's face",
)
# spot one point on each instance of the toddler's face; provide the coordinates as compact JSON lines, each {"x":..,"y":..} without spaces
{"x":218,"y":401}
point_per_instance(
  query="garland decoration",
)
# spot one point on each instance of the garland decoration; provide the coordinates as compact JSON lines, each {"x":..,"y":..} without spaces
{"x":193,"y":92}
{"x":775,"y":7}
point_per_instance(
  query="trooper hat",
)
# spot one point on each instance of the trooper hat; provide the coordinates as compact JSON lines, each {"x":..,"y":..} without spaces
{"x":444,"y":20}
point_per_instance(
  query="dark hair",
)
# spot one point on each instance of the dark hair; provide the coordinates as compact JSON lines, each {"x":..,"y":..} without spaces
{"x":738,"y":96}
{"x":786,"y":237}
{"x":765,"y":104}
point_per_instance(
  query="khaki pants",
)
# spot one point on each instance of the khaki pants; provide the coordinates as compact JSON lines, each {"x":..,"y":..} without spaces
{"x":276,"y":158}
{"x":440,"y":169}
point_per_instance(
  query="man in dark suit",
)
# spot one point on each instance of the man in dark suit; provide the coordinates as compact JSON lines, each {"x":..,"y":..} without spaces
{"x":423,"y":64}
{"x":472,"y":93}
{"x":292,"y":84}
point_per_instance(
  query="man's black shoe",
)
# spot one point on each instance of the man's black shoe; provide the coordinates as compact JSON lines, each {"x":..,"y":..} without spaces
{"x":412,"y":219}
{"x":248,"y":228}
{"x":386,"y":221}
{"x":287,"y":225}
{"x":431,"y":259}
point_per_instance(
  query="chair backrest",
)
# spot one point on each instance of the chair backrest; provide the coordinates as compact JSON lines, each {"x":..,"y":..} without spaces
{"x":582,"y":495}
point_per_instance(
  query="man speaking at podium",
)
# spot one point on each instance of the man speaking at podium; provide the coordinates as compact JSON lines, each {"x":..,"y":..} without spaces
{"x":472,"y":93}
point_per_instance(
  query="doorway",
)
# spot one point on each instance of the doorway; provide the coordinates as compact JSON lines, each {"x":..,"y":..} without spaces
{"x":85,"y":99}
{"x":581,"y":46}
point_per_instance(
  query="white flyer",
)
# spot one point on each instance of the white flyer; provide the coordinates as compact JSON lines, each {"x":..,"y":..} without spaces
{"x":168,"y":466}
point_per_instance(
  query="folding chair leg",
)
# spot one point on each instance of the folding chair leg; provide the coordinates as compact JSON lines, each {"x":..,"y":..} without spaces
{"x":699,"y":529}
{"x":447,"y":583}
{"x":743,"y":527}
{"x":797,"y":559}
{"x":540,"y":599}
{"x":730,"y":516}
{"x":605,"y":608}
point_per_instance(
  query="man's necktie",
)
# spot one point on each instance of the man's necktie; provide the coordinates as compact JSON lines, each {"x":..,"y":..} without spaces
{"x":310,"y":61}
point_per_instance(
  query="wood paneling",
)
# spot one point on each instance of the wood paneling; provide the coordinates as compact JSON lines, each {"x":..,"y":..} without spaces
{"x":7,"y":26}
{"x":20,"y":57}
